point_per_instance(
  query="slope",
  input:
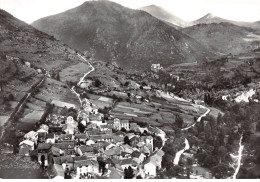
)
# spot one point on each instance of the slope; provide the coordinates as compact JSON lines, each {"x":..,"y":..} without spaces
{"x":224,"y":37}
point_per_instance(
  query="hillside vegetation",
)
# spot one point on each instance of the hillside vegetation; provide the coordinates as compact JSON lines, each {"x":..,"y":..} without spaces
{"x":132,"y":38}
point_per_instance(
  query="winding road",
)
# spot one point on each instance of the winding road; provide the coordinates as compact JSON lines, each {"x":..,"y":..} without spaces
{"x":82,"y":78}
{"x":239,"y":157}
{"x":187,"y":146}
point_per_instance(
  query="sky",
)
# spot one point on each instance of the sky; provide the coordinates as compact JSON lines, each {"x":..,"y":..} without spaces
{"x":189,"y":10}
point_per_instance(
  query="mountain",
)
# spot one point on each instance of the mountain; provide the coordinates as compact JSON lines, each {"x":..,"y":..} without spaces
{"x":224,"y":37}
{"x":132,"y":38}
{"x":164,"y":15}
{"x":211,"y":18}
{"x":18,"y":39}
{"x":24,"y":51}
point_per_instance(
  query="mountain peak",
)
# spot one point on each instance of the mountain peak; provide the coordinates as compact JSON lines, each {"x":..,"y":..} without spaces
{"x":209,"y":15}
{"x":164,"y":15}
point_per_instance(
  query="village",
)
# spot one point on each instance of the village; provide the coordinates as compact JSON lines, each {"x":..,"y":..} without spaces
{"x":71,"y":144}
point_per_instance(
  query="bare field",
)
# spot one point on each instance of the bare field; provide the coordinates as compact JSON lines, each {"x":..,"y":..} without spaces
{"x":74,"y":72}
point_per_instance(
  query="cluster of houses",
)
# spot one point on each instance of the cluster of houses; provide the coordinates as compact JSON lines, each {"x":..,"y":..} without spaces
{"x":156,"y":67}
{"x":103,"y":149}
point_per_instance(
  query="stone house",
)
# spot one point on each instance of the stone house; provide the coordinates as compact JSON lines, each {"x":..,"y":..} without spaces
{"x":84,"y":150}
{"x":50,"y":138}
{"x":32,"y":136}
{"x":84,"y":166}
{"x":25,"y":147}
{"x":150,"y":167}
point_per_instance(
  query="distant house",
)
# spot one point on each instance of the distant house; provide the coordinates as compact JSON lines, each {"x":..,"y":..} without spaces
{"x":113,"y":153}
{"x":90,"y":142}
{"x":139,"y":157}
{"x":56,"y":152}
{"x":150,"y":167}
{"x":67,"y":137}
{"x":96,"y":119}
{"x":125,"y":163}
{"x":156,"y":67}
{"x":81,"y":137}
{"x":157,"y":158}
{"x":118,"y":140}
{"x":125,"y":124}
{"x":42,"y":134}
{"x":126,"y":148}
{"x":133,"y":126}
{"x":50,"y":138}
{"x":134,"y":140}
{"x":69,"y":128}
{"x":32,"y":136}
{"x":84,"y":150}
{"x":84,"y":117}
{"x":68,"y":147}
{"x":43,"y":150}
{"x":66,"y":161}
{"x":70,"y":120}
{"x":25,"y":147}
{"x":84,"y":166}
{"x":148,"y":140}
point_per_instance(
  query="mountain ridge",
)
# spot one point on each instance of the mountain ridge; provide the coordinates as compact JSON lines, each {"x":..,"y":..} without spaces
{"x":132,"y":38}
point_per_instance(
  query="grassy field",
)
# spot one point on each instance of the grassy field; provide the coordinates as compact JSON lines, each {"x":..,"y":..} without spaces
{"x":33,"y":116}
{"x":74,"y":72}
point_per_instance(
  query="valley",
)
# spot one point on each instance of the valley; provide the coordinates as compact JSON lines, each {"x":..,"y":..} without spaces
{"x":102,"y":91}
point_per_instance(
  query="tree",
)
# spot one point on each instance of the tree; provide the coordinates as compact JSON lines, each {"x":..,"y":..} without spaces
{"x":123,"y":130}
{"x":179,"y":120}
{"x":129,"y":173}
{"x":81,"y":127}
{"x":102,"y":165}
{"x":175,"y":171}
{"x":97,"y":83}
{"x":210,"y":161}
{"x":167,"y":161}
{"x":126,"y":140}
{"x":157,"y":142}
{"x":64,"y":111}
{"x":221,"y":171}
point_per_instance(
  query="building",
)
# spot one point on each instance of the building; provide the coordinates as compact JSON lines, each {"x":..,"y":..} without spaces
{"x":84,"y":150}
{"x":43,"y":149}
{"x":65,"y":161}
{"x":42,"y":134}
{"x":125,"y":124}
{"x":50,"y":138}
{"x":150,"y":168}
{"x":25,"y":147}
{"x":156,"y":67}
{"x":84,"y":166}
{"x":139,"y":157}
{"x":32,"y":136}
{"x":148,"y":141}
